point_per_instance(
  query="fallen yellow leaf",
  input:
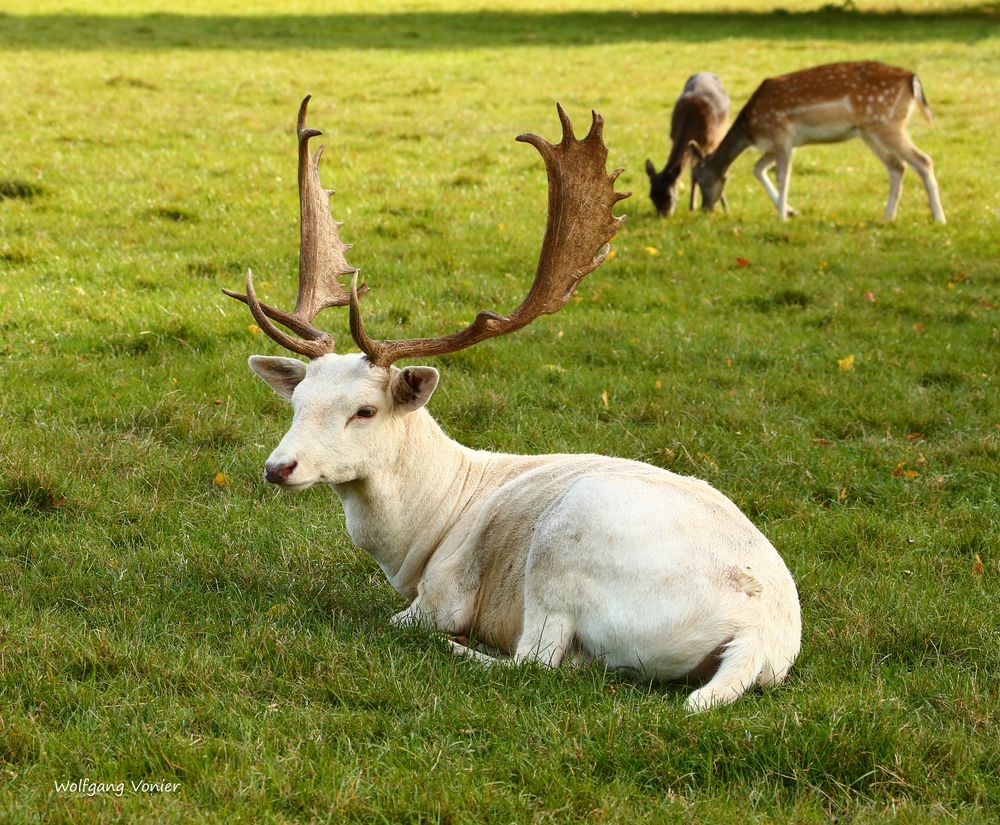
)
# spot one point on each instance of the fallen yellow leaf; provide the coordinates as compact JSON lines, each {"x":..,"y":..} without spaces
{"x":652,"y":250}
{"x":253,"y":329}
{"x":846,"y":363}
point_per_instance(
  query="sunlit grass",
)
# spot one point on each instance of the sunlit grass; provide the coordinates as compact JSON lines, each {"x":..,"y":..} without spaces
{"x":835,"y":375}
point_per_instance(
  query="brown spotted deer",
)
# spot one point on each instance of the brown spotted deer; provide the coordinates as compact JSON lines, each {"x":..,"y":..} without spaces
{"x":700,"y":118}
{"x":825,"y":104}
{"x":546,"y":558}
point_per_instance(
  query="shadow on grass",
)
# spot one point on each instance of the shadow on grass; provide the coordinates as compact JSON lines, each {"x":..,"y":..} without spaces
{"x":463,"y":30}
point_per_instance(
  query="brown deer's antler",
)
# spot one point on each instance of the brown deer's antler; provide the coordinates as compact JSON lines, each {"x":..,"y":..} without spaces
{"x":580,"y":226}
{"x":321,"y":261}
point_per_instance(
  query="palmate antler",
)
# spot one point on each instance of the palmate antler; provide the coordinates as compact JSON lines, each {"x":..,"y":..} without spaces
{"x":580,"y":226}
{"x":321,"y":260}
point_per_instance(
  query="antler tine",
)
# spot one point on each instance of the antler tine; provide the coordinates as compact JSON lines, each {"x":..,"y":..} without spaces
{"x":321,"y":259}
{"x":321,"y":252}
{"x":579,"y":228}
{"x":316,"y":342}
{"x":567,"y":126}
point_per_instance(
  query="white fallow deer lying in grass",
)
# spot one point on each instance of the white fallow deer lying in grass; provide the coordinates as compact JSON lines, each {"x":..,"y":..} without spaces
{"x":700,"y":118}
{"x":543,"y":558}
{"x":825,"y":104}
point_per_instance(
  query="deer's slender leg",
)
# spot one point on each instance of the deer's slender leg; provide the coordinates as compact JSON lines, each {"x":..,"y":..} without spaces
{"x":897,"y":141}
{"x":783,"y":167}
{"x":765,"y":162}
{"x":894,"y":166}
{"x":924,"y":166}
{"x":474,"y":655}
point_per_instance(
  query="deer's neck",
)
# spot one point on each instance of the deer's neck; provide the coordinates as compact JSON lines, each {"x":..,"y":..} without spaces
{"x":402,"y":511}
{"x":691,"y":128}
{"x":675,"y":161}
{"x":736,"y":141}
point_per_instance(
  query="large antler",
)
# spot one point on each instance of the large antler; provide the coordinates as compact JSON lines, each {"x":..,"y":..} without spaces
{"x":321,"y":261}
{"x":580,"y":226}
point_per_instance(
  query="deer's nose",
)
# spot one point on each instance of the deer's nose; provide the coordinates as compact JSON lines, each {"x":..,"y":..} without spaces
{"x":279,"y":473}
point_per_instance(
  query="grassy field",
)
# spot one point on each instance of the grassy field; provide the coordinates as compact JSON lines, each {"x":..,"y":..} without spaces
{"x":165,"y":616}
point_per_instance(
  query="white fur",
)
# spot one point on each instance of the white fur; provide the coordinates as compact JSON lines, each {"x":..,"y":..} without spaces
{"x":541,"y":557}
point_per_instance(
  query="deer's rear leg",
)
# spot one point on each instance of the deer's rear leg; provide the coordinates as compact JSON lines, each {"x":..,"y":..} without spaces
{"x":924,"y":166}
{"x":896,"y":145}
{"x":894,"y":166}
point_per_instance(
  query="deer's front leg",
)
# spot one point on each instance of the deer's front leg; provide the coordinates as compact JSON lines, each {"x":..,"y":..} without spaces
{"x":765,"y":162}
{"x":783,"y":168}
{"x":439,"y":605}
{"x":470,"y":653}
{"x":409,"y":617}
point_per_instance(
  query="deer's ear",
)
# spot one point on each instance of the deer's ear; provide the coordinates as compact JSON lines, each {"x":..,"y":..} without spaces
{"x":650,"y":169}
{"x":281,"y":374}
{"x":695,"y":150}
{"x":412,"y":387}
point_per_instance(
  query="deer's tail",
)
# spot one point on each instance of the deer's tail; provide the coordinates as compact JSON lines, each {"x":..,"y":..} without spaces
{"x":921,"y":98}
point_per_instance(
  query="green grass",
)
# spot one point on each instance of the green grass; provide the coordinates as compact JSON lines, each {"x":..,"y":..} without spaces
{"x":158,"y":626}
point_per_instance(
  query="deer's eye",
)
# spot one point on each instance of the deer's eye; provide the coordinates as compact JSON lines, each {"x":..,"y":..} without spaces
{"x":365,"y":412}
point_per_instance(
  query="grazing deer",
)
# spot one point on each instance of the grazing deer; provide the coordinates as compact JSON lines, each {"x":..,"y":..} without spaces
{"x":544,"y":558}
{"x":825,"y":104}
{"x":700,"y":118}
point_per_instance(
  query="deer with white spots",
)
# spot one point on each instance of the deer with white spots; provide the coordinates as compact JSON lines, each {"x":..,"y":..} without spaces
{"x":546,"y":558}
{"x":825,"y":104}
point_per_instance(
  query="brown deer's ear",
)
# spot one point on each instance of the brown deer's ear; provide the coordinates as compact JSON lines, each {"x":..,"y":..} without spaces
{"x":695,"y":150}
{"x":650,"y":169}
{"x":412,"y":387}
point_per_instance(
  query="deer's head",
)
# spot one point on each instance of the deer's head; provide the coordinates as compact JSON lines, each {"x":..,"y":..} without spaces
{"x":347,"y":419}
{"x":663,"y":188}
{"x":349,"y":410}
{"x":705,"y":178}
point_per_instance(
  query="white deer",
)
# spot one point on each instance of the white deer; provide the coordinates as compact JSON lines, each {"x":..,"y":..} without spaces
{"x":824,"y":104}
{"x":545,"y":558}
